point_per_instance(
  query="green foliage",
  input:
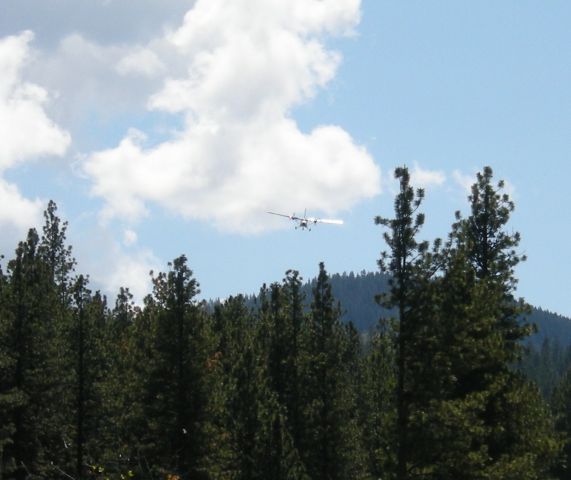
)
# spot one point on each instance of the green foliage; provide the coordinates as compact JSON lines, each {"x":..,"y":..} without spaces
{"x":404,"y":261}
{"x":331,"y":441}
{"x":561,"y":405}
{"x":174,"y":390}
{"x":546,"y":365}
{"x":461,"y":410}
{"x":378,"y":403}
{"x":279,"y":386}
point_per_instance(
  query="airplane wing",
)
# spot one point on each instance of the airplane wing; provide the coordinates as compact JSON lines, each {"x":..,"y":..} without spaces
{"x":291,"y":217}
{"x":309,"y":219}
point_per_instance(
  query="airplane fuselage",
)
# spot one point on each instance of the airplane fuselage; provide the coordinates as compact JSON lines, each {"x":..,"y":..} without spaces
{"x":305,"y":222}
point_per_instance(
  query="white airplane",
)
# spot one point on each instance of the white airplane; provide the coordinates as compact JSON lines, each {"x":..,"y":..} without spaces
{"x":306,"y":222}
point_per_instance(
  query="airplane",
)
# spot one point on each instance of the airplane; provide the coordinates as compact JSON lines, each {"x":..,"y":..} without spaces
{"x":306,"y":222}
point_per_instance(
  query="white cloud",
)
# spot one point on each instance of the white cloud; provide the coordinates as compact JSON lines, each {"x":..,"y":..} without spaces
{"x":463,"y":180}
{"x":17,"y":214}
{"x":132,"y":271}
{"x":26,"y":133}
{"x":129,"y":237}
{"x":422,"y":178}
{"x":25,"y":129}
{"x":141,"y":61}
{"x":510,"y":189}
{"x":102,"y":21}
{"x":21,"y":212}
{"x":117,"y":263}
{"x":95,"y":81}
{"x":248,"y":64}
{"x":419,"y":178}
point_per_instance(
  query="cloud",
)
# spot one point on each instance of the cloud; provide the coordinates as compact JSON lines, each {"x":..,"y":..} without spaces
{"x":22,"y":213}
{"x":102,"y":21}
{"x":422,"y":178}
{"x":141,"y":61}
{"x":17,"y":214}
{"x":96,"y":81}
{"x":25,"y":129}
{"x":132,"y":271}
{"x":419,"y":178}
{"x":26,"y":133}
{"x":465,"y":181}
{"x":129,"y":237}
{"x":96,"y":57}
{"x":119,"y":261}
{"x":248,"y":65}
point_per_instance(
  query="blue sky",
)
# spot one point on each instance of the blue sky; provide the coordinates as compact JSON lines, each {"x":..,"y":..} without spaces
{"x":169,"y":127}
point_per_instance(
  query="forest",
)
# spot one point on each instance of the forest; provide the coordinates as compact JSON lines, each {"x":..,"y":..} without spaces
{"x":446,"y":385}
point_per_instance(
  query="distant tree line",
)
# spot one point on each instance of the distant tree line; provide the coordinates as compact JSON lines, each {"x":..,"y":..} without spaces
{"x":357,"y":292}
{"x":173,"y":389}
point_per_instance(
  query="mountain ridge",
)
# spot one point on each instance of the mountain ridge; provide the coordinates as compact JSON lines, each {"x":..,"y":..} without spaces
{"x":356,"y":293}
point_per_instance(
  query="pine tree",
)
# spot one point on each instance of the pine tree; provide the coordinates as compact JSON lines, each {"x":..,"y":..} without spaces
{"x":279,"y":457}
{"x":461,"y":409}
{"x":81,"y":297}
{"x":561,"y":405}
{"x":250,"y":431}
{"x":238,"y":420}
{"x":495,"y":419}
{"x":29,"y":376}
{"x":175,"y":397}
{"x":283,"y":322}
{"x":122,"y":372}
{"x":279,"y":325}
{"x":11,"y":398}
{"x":331,"y":442}
{"x":403,"y":262}
{"x":491,"y":251}
{"x":98,"y":369}
{"x":89,"y":367}
{"x":56,"y":254}
{"x":59,"y":266}
{"x":131,"y":398}
{"x":378,"y":409}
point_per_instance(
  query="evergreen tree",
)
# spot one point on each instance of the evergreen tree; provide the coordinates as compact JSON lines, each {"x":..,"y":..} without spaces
{"x":176,"y":398}
{"x":35,"y":322}
{"x":283,"y":323}
{"x":251,"y":434}
{"x":98,"y":368}
{"x":124,"y":362}
{"x":332,"y":445}
{"x":132,"y":393}
{"x":238,"y":421}
{"x":546,"y":365}
{"x":378,"y":408}
{"x":561,"y":405}
{"x":283,"y":391}
{"x":29,"y":377}
{"x":491,"y":251}
{"x":461,"y":409}
{"x":499,"y":424}
{"x":403,"y":262}
{"x":11,"y":398}
{"x":81,"y":297}
{"x":59,"y":265}
{"x":56,"y":254}
{"x":89,"y":313}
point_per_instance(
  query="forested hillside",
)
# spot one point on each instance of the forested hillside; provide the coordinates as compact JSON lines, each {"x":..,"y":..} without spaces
{"x":356,"y":293}
{"x":547,"y":355}
{"x":172,"y":389}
